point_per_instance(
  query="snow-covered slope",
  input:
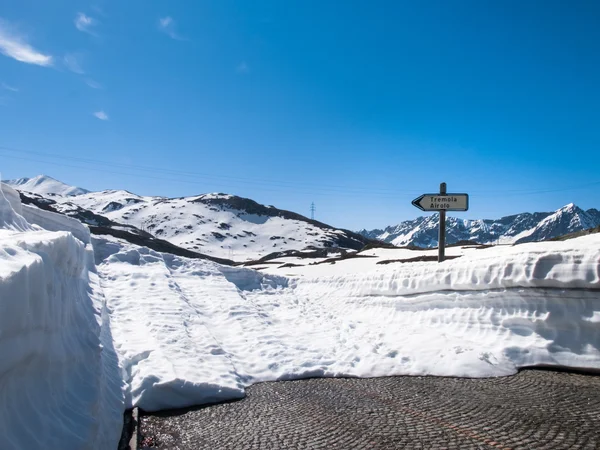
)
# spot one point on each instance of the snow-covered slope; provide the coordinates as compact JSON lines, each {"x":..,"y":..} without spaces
{"x":60,"y":382}
{"x":218,"y":224}
{"x":486,"y":313}
{"x":45,"y":185}
{"x":567,"y":219}
{"x":525,"y":227}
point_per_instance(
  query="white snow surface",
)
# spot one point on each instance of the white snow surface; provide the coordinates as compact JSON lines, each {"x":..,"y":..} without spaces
{"x":188,"y":331}
{"x":484,"y":314}
{"x":45,"y":185}
{"x":60,"y":384}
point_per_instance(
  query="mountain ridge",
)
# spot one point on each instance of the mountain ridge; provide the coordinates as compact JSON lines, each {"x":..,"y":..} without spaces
{"x":217,"y":225}
{"x":45,"y":185}
{"x":234,"y":227}
{"x":512,"y":229}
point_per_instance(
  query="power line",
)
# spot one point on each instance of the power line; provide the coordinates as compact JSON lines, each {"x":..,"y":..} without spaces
{"x":202,"y":183}
{"x":243,"y":180}
{"x":271,"y":185}
{"x":312,"y":210}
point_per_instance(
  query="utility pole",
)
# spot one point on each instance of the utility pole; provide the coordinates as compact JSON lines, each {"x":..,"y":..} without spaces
{"x":312,"y":210}
{"x":442,"y":229}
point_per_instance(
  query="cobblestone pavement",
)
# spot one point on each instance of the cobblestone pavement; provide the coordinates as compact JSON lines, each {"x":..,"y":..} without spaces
{"x":531,"y":410}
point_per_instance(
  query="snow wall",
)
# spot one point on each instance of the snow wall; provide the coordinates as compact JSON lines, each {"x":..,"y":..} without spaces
{"x":60,"y":385}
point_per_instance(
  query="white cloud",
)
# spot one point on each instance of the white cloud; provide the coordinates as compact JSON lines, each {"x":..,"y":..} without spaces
{"x":7,"y":87}
{"x":93,"y":84}
{"x":14,"y":45}
{"x":165,"y":22}
{"x":101,"y":115}
{"x":242,"y":67}
{"x":73,"y":63}
{"x":85,"y":23}
{"x":167,"y":26}
{"x":98,"y":10}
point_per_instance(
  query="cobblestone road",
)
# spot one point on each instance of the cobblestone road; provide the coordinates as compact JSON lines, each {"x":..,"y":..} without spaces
{"x":533,"y":410}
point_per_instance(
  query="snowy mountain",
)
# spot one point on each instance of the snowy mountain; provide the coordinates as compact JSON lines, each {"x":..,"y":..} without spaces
{"x":240,"y":229}
{"x":220,"y":225}
{"x":45,"y":185}
{"x":525,"y":227}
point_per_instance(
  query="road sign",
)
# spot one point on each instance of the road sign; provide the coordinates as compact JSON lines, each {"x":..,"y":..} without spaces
{"x":442,"y":202}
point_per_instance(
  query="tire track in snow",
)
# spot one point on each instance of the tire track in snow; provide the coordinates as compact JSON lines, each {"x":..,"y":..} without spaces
{"x":165,"y":348}
{"x":200,"y":319}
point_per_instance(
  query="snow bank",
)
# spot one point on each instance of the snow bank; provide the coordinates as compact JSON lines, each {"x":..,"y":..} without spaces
{"x":60,"y":385}
{"x":190,"y":331}
{"x":568,"y":264}
{"x":11,"y":211}
{"x":52,"y":221}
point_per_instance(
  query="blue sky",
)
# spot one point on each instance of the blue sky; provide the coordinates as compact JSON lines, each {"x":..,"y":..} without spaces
{"x":359,"y":106}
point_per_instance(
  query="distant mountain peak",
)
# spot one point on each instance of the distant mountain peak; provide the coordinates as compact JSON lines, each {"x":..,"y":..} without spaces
{"x":214,"y":196}
{"x":569,"y":208}
{"x":524,"y":227}
{"x":45,"y":185}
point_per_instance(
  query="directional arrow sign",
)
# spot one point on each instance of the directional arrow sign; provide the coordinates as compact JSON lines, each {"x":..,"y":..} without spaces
{"x":442,"y":202}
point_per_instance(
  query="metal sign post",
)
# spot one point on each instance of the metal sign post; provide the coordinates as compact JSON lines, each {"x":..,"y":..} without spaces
{"x":442,"y":228}
{"x":442,"y":202}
